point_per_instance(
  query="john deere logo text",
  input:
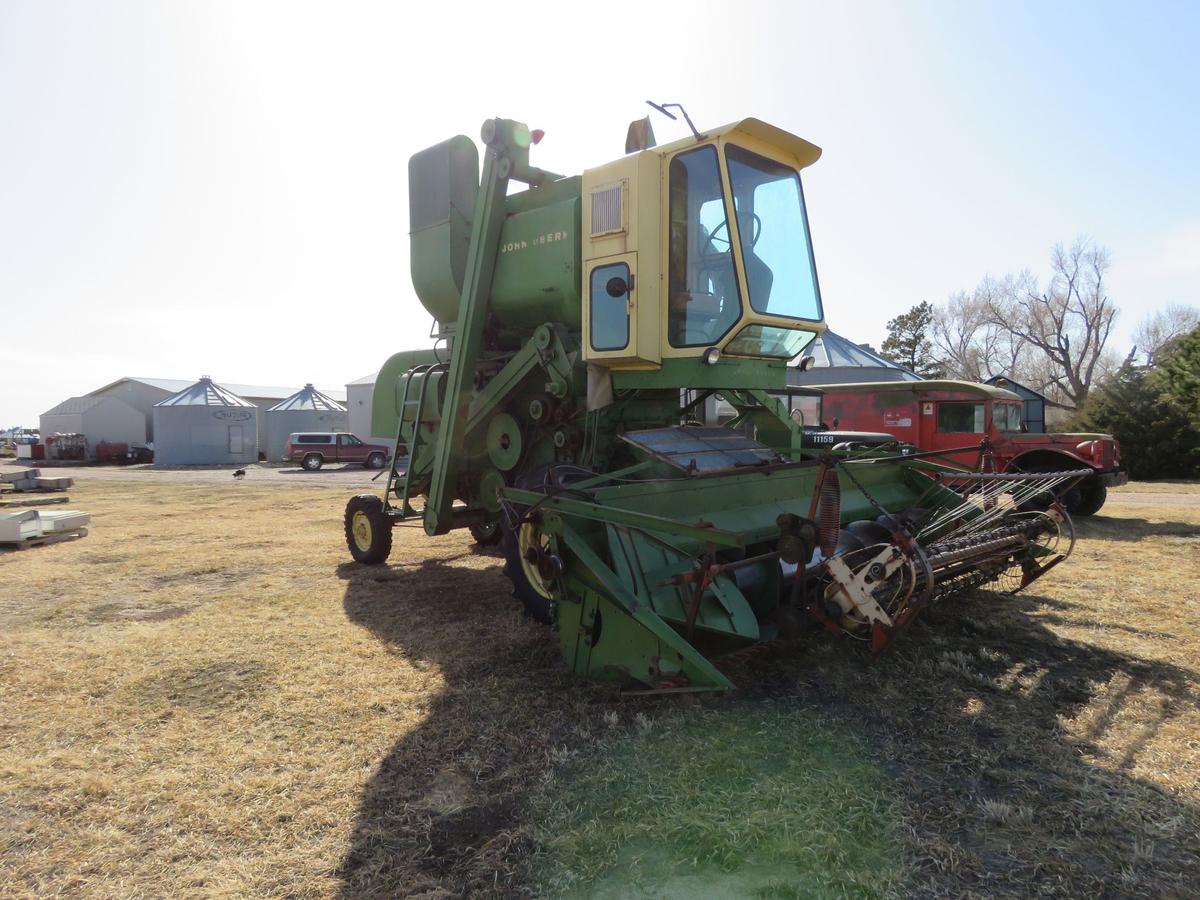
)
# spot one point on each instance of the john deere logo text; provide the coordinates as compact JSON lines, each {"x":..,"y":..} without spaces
{"x":548,"y":238}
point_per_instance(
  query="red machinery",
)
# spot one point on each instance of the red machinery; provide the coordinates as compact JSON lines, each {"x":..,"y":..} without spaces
{"x":950,"y":415}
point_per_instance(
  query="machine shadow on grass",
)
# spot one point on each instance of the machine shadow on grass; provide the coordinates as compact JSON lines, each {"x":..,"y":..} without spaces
{"x":444,"y":809}
{"x":1130,"y":529}
{"x":967,"y":714}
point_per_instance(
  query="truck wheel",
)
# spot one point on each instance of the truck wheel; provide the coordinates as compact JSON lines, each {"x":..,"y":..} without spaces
{"x":489,"y":534}
{"x":1092,"y":494}
{"x":375,"y":461}
{"x":368,"y":530}
{"x":1069,"y":497}
{"x":312,"y":461}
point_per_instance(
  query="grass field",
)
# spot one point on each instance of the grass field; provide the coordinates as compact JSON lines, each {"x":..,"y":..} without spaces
{"x":204,"y":697}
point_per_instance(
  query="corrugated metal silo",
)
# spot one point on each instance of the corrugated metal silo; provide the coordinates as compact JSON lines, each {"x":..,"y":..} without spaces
{"x":204,"y":425}
{"x":306,"y":410}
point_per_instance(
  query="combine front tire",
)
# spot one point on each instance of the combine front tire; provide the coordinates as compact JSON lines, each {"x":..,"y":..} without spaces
{"x":1092,"y":494}
{"x":528,"y":585}
{"x":368,"y":530}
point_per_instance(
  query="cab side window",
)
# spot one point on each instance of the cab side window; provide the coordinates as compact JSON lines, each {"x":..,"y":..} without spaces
{"x":703,"y":301}
{"x":961,"y":418}
{"x":610,"y":307}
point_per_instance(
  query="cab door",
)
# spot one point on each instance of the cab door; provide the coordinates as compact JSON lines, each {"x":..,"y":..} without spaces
{"x":349,"y":448}
{"x":610,"y":292}
{"x":959,"y":423}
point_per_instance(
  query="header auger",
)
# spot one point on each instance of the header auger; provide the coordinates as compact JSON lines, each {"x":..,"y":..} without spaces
{"x":585,"y":319}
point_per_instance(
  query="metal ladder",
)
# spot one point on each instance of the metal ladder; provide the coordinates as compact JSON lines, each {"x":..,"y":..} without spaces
{"x":405,"y":509}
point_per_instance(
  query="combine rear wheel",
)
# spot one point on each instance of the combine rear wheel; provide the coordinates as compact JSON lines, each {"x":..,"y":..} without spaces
{"x":368,"y":530}
{"x":489,"y":534}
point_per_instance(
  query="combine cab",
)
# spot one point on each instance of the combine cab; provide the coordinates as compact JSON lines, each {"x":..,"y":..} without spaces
{"x":585,"y":319}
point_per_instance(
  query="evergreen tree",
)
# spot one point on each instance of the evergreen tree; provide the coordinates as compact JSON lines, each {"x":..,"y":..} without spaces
{"x":1154,"y":413}
{"x":1179,"y":374}
{"x":908,"y":342}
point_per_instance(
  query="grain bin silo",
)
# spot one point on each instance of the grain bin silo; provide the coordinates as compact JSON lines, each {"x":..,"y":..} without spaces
{"x":306,"y":410}
{"x":204,"y":425}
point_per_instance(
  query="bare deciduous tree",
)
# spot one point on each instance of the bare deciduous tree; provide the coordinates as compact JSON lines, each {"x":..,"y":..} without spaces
{"x":969,"y":344}
{"x":1053,"y":339}
{"x":1161,"y":328}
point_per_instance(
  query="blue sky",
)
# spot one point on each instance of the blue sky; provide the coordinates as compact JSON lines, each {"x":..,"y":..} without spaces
{"x":219,"y":188}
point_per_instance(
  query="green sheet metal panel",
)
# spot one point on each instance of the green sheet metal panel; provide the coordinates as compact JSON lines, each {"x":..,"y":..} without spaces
{"x":389,"y":387}
{"x":442,"y":185}
{"x":538,"y":269}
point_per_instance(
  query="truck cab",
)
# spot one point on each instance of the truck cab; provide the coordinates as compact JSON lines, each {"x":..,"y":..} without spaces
{"x":957,"y":415}
{"x":313,"y":449}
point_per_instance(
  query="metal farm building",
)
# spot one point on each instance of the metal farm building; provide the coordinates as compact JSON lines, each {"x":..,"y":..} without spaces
{"x":205,"y":424}
{"x":306,"y":410}
{"x":101,"y":419}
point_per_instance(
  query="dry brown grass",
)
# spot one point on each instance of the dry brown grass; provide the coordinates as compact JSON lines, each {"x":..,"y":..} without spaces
{"x":1160,"y":486}
{"x":203,"y":697}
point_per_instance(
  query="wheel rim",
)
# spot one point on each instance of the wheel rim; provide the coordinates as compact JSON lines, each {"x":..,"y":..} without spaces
{"x":360,"y":527}
{"x":530,"y":537}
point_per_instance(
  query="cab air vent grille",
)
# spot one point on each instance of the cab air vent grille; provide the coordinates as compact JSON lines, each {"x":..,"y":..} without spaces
{"x":606,"y":210}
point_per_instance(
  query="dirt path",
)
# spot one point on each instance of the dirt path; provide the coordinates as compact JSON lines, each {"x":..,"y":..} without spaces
{"x":1135,"y":498}
{"x":342,"y":477}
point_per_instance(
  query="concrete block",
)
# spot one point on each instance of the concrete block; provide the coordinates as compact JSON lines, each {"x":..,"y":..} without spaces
{"x":19,"y":475}
{"x":20,"y":526}
{"x":54,"y":482}
{"x":58,"y":520}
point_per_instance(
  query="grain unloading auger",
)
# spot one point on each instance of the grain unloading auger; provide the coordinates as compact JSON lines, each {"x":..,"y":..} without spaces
{"x":585,"y":319}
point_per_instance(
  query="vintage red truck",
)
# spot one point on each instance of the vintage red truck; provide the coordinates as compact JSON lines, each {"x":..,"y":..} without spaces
{"x":942,"y":415}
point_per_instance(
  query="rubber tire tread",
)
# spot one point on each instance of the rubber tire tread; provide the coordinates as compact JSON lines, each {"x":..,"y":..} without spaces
{"x":1092,"y":494}
{"x":1069,"y":499}
{"x":487,"y":536}
{"x":304,"y":462}
{"x":381,"y":529}
{"x":536,"y":606}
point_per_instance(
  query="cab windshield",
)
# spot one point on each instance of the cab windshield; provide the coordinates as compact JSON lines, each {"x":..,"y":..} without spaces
{"x":776,"y":251}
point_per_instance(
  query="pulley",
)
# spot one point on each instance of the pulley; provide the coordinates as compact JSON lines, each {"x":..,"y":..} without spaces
{"x":504,"y":441}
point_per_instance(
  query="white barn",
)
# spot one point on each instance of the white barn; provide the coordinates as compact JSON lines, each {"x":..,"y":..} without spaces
{"x":306,"y":410}
{"x":205,"y":424}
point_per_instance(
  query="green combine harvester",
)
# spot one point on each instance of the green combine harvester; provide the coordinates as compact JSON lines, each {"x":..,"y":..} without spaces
{"x":583,"y":321}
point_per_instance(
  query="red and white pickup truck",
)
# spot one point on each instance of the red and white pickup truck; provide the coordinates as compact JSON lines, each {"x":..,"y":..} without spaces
{"x":943,"y":415}
{"x":313,"y":449}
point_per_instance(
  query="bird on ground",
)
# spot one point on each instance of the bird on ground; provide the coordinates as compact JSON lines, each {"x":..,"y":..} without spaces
{"x":239,"y":474}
